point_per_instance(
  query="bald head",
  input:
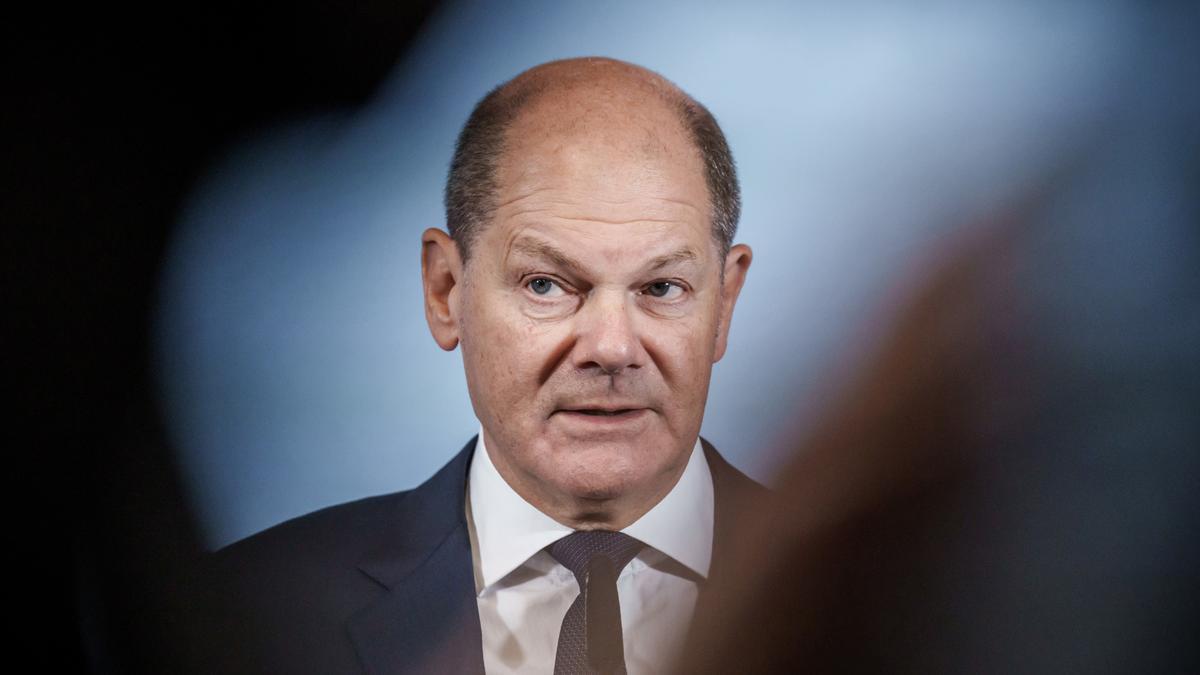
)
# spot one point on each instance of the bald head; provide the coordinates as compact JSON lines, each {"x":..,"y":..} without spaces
{"x":586,"y":102}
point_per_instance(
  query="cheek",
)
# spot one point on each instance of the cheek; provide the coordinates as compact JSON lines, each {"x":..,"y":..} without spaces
{"x":683,"y":351}
{"x":508,"y":353}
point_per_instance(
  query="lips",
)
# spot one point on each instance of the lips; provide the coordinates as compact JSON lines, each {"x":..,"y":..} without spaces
{"x":602,"y":410}
{"x":602,"y":421}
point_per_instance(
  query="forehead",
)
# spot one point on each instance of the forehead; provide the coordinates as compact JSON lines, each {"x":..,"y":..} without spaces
{"x":599,"y":121}
{"x":598,"y":166}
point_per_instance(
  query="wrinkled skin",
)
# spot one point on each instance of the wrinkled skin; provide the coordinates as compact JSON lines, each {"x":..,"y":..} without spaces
{"x":594,"y":304}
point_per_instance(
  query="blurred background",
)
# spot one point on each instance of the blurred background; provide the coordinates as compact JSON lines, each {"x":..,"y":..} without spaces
{"x":212,"y":227}
{"x":294,"y":358}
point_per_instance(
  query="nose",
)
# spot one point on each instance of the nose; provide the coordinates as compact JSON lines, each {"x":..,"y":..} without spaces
{"x":607,"y":338}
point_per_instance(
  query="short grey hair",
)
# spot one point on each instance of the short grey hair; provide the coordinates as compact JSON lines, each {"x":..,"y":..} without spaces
{"x":471,"y":184}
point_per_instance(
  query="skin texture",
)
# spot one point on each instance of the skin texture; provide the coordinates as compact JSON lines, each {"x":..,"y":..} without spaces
{"x":597,"y":286}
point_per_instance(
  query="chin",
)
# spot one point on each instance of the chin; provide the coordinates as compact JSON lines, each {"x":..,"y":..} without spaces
{"x":602,"y":476}
{"x":599,"y":493}
{"x":606,"y":473}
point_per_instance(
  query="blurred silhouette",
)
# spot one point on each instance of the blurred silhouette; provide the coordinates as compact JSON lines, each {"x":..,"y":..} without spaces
{"x":111,"y":113}
{"x":1009,"y":484}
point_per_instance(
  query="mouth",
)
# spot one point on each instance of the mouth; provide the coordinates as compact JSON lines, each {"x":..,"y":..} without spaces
{"x":603,"y":408}
{"x":601,"y":412}
{"x":600,"y":417}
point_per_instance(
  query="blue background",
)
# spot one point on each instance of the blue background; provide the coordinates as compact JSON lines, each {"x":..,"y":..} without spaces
{"x":294,"y":360}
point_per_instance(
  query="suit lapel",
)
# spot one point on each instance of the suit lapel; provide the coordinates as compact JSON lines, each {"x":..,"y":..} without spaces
{"x":733,"y":493}
{"x":428,"y":619}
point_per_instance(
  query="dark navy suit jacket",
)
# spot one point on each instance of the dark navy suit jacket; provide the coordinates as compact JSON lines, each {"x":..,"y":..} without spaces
{"x":380,"y":585}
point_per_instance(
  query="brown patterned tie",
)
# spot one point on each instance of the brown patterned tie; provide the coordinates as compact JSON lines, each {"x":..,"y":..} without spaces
{"x":590,"y":642}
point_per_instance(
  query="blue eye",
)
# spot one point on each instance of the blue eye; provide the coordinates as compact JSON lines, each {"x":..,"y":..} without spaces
{"x":542,"y":286}
{"x":660,"y":289}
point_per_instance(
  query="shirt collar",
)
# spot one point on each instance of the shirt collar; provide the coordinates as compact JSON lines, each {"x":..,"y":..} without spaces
{"x":510,"y":530}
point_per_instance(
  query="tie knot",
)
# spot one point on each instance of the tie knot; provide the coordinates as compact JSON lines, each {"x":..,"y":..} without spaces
{"x":575,"y":550}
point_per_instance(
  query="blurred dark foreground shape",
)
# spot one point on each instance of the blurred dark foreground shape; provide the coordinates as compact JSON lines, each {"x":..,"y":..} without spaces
{"x":1010,"y":484}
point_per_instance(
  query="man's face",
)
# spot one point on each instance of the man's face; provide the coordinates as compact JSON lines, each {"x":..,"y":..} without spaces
{"x":592,"y":309}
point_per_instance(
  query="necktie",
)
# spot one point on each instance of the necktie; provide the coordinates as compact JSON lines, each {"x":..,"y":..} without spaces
{"x":590,"y":639}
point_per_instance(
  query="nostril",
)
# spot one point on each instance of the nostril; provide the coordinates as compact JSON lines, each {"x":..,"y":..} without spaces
{"x":607,"y":338}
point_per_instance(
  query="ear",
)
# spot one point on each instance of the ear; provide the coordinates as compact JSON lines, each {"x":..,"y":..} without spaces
{"x":441,"y":277}
{"x":737,"y":263}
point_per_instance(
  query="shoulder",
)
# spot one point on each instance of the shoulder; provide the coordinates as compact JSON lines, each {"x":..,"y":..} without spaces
{"x":281,"y":600}
{"x":282,"y":596}
{"x":318,"y":552}
{"x":328,"y":536}
{"x":338,"y":537}
{"x":728,"y":480}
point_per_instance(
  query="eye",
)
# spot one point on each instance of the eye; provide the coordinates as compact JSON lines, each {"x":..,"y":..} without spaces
{"x":544,"y":287}
{"x":663,"y":289}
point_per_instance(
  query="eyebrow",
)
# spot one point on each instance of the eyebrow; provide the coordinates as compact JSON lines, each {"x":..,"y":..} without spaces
{"x":541,"y":249}
{"x":682,"y":255}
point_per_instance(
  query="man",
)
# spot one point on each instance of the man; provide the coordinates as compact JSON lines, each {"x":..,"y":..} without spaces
{"x":589,"y":279}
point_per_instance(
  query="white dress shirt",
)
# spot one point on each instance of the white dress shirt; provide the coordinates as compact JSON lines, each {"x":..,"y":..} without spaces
{"x":523,"y":593}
